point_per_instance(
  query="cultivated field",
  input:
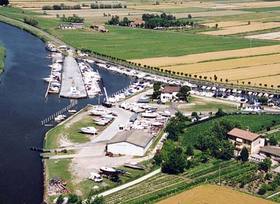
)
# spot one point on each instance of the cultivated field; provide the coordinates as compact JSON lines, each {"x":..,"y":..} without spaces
{"x":254,"y":26}
{"x":212,"y":194}
{"x":266,"y":36}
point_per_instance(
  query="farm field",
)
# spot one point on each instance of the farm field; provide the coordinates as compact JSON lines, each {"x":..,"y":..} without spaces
{"x":254,"y":26}
{"x":129,"y":43}
{"x":266,"y":36}
{"x":164,"y":185}
{"x":213,"y":194}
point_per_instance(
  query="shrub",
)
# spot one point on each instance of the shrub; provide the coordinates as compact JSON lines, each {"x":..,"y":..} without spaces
{"x":30,"y":21}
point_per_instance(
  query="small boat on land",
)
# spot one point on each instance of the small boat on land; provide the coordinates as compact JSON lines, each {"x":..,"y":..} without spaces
{"x":60,"y":118}
{"x":89,"y":130}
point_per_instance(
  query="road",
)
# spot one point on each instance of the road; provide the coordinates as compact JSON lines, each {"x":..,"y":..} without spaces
{"x":132,"y":183}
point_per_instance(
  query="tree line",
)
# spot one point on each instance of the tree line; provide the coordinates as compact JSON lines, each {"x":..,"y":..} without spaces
{"x":61,"y":7}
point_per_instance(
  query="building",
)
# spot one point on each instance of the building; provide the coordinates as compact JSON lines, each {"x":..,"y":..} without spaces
{"x":137,"y":23}
{"x":243,"y":138}
{"x":132,"y":142}
{"x":273,"y":152}
{"x":169,"y":93}
{"x":100,"y":28}
{"x":71,"y":26}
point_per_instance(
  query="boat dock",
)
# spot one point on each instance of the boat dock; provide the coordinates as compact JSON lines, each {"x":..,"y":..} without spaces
{"x":72,"y":85}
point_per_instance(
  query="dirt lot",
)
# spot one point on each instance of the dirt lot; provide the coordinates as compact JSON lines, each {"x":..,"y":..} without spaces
{"x":210,"y":194}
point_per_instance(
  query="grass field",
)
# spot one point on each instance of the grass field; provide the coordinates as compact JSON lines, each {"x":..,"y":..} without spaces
{"x":198,"y":104}
{"x":128,"y":43}
{"x":2,"y":58}
{"x":212,"y":194}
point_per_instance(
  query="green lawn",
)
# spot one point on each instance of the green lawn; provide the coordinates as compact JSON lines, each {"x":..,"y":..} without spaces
{"x":255,"y":123}
{"x":72,"y":133}
{"x":204,"y":105}
{"x":2,"y":58}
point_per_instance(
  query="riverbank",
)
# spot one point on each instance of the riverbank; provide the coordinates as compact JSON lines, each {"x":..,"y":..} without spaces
{"x":2,"y":58}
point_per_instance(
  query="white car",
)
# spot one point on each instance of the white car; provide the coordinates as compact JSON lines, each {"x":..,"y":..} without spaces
{"x":95,"y":177}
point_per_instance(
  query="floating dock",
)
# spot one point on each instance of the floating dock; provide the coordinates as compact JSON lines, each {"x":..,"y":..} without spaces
{"x":72,"y":85}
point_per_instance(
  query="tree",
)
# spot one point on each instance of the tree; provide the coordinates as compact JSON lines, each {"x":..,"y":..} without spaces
{"x":4,"y":2}
{"x":265,"y":164}
{"x":156,"y":93}
{"x":175,"y":162}
{"x":98,"y":200}
{"x":273,"y":140}
{"x":220,"y":112}
{"x":244,"y":154}
{"x":59,"y":200}
{"x":74,"y":199}
{"x":195,"y":115}
{"x":184,"y":92}
{"x":189,"y":150}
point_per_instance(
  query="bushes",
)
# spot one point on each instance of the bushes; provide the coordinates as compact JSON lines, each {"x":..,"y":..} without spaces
{"x":30,"y":21}
{"x":61,"y":7}
{"x":106,"y":6}
{"x":73,"y":19}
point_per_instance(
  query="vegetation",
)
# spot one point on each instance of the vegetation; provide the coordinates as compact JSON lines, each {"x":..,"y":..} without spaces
{"x":72,"y":19}
{"x":61,"y":7}
{"x":156,"y":91}
{"x":30,"y":21}
{"x":244,"y":154}
{"x":184,"y":93}
{"x":105,"y":5}
{"x":153,"y":20}
{"x":2,"y":58}
{"x":265,"y":164}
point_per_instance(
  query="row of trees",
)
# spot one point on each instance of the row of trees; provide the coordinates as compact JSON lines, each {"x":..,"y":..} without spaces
{"x":61,"y":7}
{"x":115,"y":20}
{"x":72,"y":19}
{"x":74,"y":199}
{"x":107,"y":6}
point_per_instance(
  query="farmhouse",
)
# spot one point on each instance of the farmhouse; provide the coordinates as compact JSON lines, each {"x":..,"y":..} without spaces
{"x":169,"y":93}
{"x":272,"y":152}
{"x":137,"y":23}
{"x":132,"y":142}
{"x":243,"y":138}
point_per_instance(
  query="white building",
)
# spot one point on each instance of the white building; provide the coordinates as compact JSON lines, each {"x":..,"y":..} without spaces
{"x":242,"y":138}
{"x":169,"y":93}
{"x":132,"y":142}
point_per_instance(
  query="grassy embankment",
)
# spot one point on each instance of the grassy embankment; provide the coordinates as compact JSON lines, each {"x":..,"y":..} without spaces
{"x":242,"y":176}
{"x":2,"y":58}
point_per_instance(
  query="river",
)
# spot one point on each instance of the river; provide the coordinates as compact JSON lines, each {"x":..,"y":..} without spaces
{"x":22,"y":107}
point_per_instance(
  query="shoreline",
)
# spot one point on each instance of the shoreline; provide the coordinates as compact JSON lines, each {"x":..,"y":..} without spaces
{"x":2,"y":58}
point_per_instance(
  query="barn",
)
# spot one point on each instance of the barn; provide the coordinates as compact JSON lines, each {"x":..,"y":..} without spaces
{"x":131,"y":142}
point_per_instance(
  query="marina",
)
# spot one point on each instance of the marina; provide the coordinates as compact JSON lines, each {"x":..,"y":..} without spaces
{"x":23,"y":107}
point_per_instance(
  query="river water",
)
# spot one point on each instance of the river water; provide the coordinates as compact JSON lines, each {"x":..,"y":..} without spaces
{"x":22,"y":107}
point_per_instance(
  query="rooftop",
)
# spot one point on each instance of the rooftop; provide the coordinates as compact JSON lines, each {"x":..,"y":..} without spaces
{"x":273,"y":150}
{"x":171,"y":89}
{"x":137,"y":137}
{"x":243,"y":134}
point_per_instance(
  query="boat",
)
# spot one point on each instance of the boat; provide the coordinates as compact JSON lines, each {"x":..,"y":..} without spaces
{"x":72,"y":111}
{"x":149,"y":115}
{"x":60,"y":118}
{"x":95,"y":177}
{"x":89,"y":130}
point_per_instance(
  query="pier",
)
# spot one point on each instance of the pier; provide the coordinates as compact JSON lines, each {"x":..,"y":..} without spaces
{"x":72,"y":85}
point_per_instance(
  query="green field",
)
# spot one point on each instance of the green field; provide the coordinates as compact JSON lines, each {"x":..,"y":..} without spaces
{"x":129,"y":43}
{"x":254,"y":123}
{"x":266,"y":9}
{"x":2,"y":58}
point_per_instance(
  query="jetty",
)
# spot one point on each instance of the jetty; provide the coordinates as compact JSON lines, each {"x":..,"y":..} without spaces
{"x":72,"y":85}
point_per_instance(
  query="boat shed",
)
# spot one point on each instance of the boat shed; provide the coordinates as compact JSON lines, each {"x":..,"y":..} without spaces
{"x":132,"y":142}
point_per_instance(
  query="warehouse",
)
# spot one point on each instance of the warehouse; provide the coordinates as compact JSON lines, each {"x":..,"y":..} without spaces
{"x":132,"y":142}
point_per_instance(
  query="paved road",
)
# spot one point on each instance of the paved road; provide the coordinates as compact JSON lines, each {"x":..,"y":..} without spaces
{"x":132,"y":183}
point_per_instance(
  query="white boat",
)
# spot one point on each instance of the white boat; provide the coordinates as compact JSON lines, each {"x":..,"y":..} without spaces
{"x":60,"y":118}
{"x":149,"y":115}
{"x":72,"y":111}
{"x":95,"y":177}
{"x":89,"y":130}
